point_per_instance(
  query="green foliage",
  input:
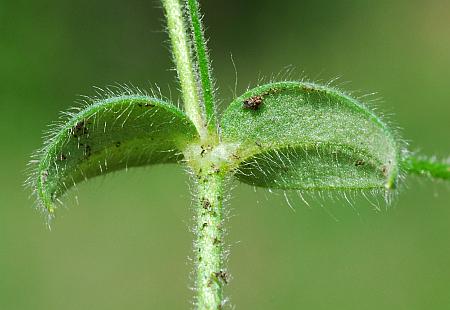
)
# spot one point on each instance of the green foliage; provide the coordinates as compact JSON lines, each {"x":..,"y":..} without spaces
{"x":305,"y":136}
{"x":108,"y":135}
{"x":285,"y":135}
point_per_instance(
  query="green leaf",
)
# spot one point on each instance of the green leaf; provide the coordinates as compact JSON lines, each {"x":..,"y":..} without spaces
{"x":296,"y":135}
{"x":108,"y":135}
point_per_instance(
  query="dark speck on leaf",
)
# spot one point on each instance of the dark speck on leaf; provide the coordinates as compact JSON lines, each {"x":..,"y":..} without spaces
{"x":384,"y":170}
{"x":146,"y":105}
{"x":79,"y":129}
{"x":310,"y":89}
{"x":359,"y":162}
{"x":253,"y":103}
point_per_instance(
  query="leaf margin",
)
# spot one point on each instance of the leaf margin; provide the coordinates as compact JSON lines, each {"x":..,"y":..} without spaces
{"x":271,"y":88}
{"x":60,"y":130}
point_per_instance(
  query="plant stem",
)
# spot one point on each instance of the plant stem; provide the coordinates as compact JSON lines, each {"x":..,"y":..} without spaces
{"x":210,"y":274}
{"x":209,"y":257}
{"x":427,"y":166}
{"x":183,"y":63}
{"x":203,"y":63}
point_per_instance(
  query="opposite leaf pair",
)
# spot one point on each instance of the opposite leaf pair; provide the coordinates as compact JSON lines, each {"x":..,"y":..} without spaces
{"x":288,"y":135}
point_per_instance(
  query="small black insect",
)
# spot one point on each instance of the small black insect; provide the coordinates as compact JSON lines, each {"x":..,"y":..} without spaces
{"x":118,"y":143}
{"x":253,"y":103}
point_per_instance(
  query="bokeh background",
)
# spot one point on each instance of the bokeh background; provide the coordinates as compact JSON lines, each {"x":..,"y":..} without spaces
{"x":127,"y":244}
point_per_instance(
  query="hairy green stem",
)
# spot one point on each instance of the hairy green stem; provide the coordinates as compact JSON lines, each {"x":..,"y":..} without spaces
{"x":183,"y":62}
{"x":210,"y":273}
{"x":209,"y":258}
{"x":427,"y":166}
{"x":204,"y":66}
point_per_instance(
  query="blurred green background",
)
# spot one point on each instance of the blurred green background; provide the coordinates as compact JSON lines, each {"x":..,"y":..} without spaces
{"x":127,"y":244}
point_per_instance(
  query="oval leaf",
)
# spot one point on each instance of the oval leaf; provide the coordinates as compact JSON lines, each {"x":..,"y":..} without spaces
{"x":295,"y":135}
{"x":108,"y":135}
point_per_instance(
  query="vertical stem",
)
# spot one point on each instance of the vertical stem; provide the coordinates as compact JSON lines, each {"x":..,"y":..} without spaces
{"x":183,"y":62}
{"x":210,"y":273}
{"x":204,"y":65}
